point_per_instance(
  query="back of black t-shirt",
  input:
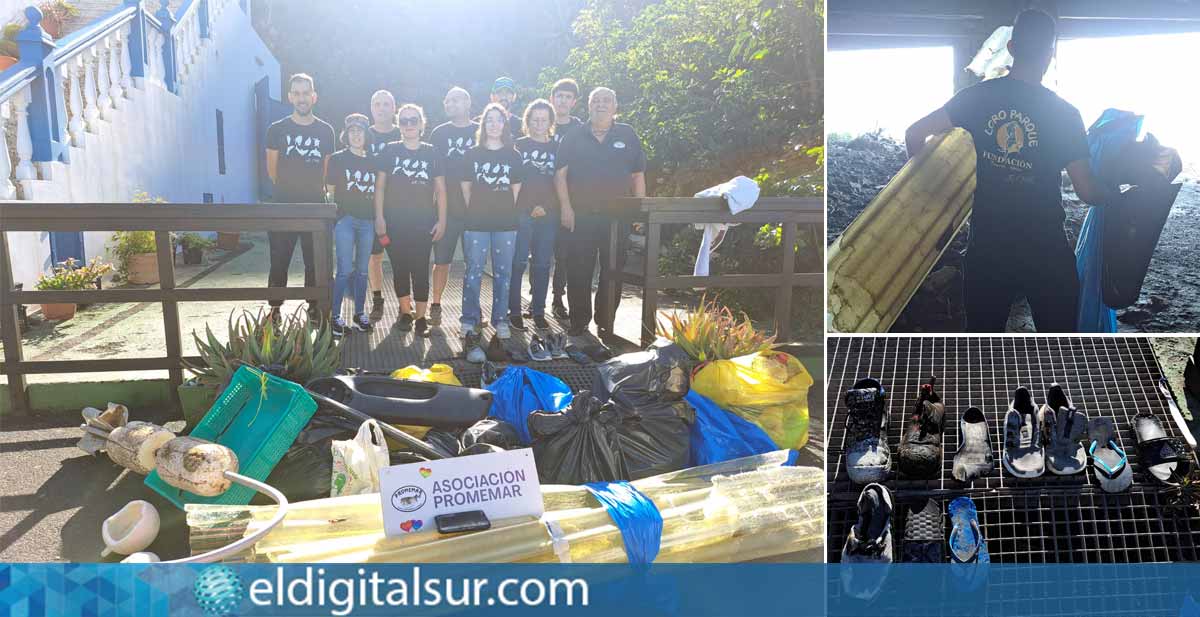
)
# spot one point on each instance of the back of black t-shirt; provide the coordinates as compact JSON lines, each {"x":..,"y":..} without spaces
{"x":1025,"y":135}
{"x":300,"y":174}
{"x":453,"y":142}
{"x":492,"y":174}
{"x":376,"y":140}
{"x":409,"y":191}
{"x":537,"y":188}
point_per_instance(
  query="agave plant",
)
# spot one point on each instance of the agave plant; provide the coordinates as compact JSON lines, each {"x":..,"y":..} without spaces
{"x":293,"y":348}
{"x":712,"y":332}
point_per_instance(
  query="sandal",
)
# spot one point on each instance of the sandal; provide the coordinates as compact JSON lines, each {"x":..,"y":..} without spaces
{"x":869,"y":544}
{"x":974,"y":457}
{"x":868,"y":458}
{"x":969,"y":557}
{"x":1023,"y":453}
{"x":924,"y":533}
{"x":1063,"y":427}
{"x":920,"y":452}
{"x":1108,"y":459}
{"x":1165,"y":457}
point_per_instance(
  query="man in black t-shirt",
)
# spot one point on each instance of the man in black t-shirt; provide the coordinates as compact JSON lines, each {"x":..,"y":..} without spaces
{"x":297,"y":148}
{"x":1025,"y":135}
{"x":563,"y":95}
{"x":598,"y":163}
{"x":382,"y":132}
{"x":452,"y":139}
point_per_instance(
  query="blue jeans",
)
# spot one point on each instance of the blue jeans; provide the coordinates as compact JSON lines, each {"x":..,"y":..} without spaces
{"x":478,"y":245}
{"x":534,"y":236}
{"x":352,"y":239}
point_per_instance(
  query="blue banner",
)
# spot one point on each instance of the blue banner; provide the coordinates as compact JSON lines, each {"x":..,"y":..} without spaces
{"x":762,"y":590}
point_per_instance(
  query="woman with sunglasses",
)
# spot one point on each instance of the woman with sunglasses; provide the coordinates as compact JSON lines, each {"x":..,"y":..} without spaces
{"x":410,"y":213}
{"x":350,"y":181}
{"x":491,"y":183}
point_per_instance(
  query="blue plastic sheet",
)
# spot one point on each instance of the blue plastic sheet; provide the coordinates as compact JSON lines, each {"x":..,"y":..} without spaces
{"x":719,"y":436}
{"x":635,"y":515}
{"x":520,"y":391}
{"x":1106,"y":137}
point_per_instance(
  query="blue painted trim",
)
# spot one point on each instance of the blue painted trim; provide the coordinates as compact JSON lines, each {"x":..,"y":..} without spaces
{"x":47,"y":109}
{"x":171,"y":72}
{"x":205,"y":20}
{"x":72,"y":44}
{"x":15,"y":78}
{"x":137,"y":40}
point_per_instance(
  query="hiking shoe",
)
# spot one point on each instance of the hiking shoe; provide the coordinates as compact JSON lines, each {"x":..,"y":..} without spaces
{"x":868,"y":456}
{"x":557,"y":343}
{"x":421,"y":326}
{"x":538,"y":350}
{"x":495,"y":350}
{"x":869,"y":542}
{"x":406,"y":322}
{"x":1024,"y":456}
{"x":924,"y":533}
{"x":539,"y":322}
{"x":491,"y":372}
{"x":974,"y":458}
{"x":435,"y":314}
{"x":362,"y":323}
{"x":1063,"y":428}
{"x":517,"y":322}
{"x":559,"y":310}
{"x":920,"y":452}
{"x":502,"y":331}
{"x":339,"y":326}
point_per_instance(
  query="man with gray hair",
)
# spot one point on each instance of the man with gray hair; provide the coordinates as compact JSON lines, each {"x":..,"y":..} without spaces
{"x":598,"y":164}
{"x":382,"y":132}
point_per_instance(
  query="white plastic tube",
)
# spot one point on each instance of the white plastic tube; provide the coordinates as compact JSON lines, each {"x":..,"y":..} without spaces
{"x":248,"y":541}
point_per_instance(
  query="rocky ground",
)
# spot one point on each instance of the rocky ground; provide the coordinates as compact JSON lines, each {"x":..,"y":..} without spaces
{"x":1170,"y":302}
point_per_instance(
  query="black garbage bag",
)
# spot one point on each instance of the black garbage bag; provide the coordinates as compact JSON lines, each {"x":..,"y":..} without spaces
{"x":481,"y":448}
{"x":655,"y":439}
{"x":306,"y":468}
{"x":444,"y":439}
{"x":657,"y":375}
{"x":492,"y":431}
{"x":578,"y":444}
{"x":401,"y":457}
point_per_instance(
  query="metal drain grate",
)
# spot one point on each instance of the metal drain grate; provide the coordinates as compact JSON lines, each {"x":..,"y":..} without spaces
{"x":1048,"y":519}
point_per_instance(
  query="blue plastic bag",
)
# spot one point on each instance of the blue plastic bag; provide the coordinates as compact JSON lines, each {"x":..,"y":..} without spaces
{"x":635,"y":515}
{"x":520,"y":391}
{"x":1107,"y":136}
{"x":719,"y":436}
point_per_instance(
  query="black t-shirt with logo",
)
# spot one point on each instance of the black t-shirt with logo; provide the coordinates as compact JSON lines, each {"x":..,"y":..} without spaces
{"x":537,"y":189}
{"x":453,"y":142}
{"x":376,"y":140}
{"x":492,"y":173}
{"x":1025,"y":135}
{"x":598,"y":172}
{"x":302,"y":151}
{"x":561,"y":130}
{"x":410,"y":181}
{"x":353,"y":179}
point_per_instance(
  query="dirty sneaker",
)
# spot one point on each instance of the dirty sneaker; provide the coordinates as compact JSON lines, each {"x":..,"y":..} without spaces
{"x":868,"y":457}
{"x":869,"y":544}
{"x":920,"y":454}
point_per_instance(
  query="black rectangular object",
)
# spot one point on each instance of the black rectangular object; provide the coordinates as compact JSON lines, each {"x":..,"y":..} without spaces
{"x":462,"y":522}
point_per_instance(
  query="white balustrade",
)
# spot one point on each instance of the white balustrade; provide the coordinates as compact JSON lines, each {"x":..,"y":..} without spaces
{"x":116,"y":92}
{"x":25,"y":169}
{"x":74,"y":104}
{"x":8,"y":190}
{"x":91,"y":110}
{"x":127,"y":81}
{"x":99,"y":60}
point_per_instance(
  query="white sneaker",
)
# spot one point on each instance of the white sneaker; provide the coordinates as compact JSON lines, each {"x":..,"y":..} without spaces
{"x":502,"y":330}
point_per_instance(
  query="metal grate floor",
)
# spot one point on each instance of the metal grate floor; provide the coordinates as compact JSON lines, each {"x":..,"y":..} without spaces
{"x":1047,"y":519}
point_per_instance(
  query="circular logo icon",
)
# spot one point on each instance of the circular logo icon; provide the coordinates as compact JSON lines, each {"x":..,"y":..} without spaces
{"x":1010,"y":137}
{"x":219,"y":591}
{"x":408,"y":498}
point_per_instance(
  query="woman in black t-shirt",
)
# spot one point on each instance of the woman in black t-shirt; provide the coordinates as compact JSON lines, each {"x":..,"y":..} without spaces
{"x":410,"y":212}
{"x":537,"y":212}
{"x":492,"y":177}
{"x":350,"y":181}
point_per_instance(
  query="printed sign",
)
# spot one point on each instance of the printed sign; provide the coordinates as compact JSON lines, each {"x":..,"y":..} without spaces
{"x":502,"y":484}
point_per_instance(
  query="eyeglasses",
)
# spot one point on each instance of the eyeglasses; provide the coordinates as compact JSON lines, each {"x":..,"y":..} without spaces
{"x":408,"y":121}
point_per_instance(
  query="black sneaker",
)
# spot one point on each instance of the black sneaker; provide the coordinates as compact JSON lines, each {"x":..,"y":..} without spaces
{"x":517,"y":322}
{"x":377,"y":306}
{"x":338,"y":326}
{"x":362,"y":323}
{"x":559,"y":310}
{"x":539,"y":322}
{"x":422,"y":327}
{"x":435,"y":314}
{"x":406,"y":322}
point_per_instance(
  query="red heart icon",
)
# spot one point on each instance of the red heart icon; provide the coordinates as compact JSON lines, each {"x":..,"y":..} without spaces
{"x":406,"y":526}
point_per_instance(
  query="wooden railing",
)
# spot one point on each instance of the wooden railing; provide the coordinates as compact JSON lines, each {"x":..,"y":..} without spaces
{"x":316,"y":219}
{"x":655,"y":212}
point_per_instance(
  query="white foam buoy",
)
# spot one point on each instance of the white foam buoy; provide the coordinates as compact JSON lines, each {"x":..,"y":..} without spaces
{"x":134,"y":445}
{"x":141,"y":557}
{"x":131,"y":529}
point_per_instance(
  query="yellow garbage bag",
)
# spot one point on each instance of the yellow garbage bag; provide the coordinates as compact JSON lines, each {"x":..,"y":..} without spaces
{"x":438,"y":373}
{"x":769,"y":389}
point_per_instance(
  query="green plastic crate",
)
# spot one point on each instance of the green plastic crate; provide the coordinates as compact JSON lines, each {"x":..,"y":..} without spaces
{"x":259,"y":436}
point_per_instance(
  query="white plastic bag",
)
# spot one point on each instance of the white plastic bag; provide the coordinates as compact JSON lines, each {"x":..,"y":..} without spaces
{"x":356,"y":463}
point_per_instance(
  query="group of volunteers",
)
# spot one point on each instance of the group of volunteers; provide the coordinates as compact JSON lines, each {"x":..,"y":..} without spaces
{"x":534,"y":191}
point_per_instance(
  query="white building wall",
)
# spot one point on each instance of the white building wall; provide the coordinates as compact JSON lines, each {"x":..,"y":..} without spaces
{"x":164,"y":144}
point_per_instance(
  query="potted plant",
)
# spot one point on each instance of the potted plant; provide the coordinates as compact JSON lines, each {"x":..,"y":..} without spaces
{"x":10,"y":52}
{"x":228,"y":241}
{"x":194,"y":245}
{"x":69,"y":276}
{"x":54,"y":14}
{"x":293,"y":348}
{"x":136,"y":251}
